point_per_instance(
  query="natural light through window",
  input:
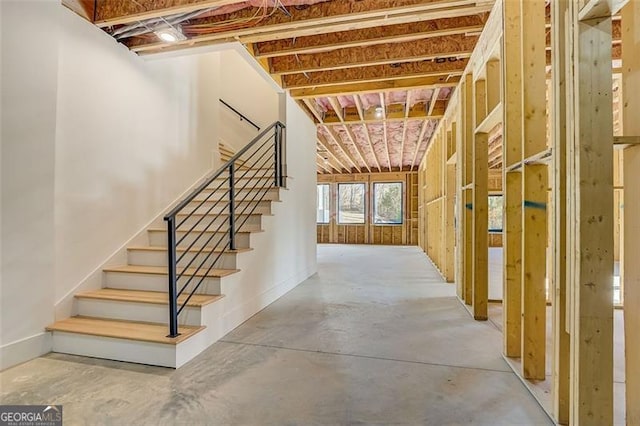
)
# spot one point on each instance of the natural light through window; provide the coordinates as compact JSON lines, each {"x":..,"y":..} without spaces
{"x":323,"y":211}
{"x":387,"y":204}
{"x":351,"y":203}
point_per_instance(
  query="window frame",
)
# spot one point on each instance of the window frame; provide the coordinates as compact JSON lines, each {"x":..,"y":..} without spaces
{"x":328,"y":207}
{"x":492,"y":230}
{"x":373,"y":203}
{"x":364,"y":203}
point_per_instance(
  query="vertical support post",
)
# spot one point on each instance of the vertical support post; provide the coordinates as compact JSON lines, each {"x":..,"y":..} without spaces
{"x":534,"y":298}
{"x":466,"y":163}
{"x":173,"y":292}
{"x":512,"y":181}
{"x":480,"y":227}
{"x":480,"y":223}
{"x":534,"y":190}
{"x":631,"y":229}
{"x":512,"y":298}
{"x":560,"y":365}
{"x":232,"y":207}
{"x":590,"y":248}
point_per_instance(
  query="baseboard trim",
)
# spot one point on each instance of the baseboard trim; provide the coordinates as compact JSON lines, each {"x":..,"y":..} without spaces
{"x":24,"y":350}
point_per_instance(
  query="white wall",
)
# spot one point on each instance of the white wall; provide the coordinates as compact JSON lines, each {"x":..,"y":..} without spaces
{"x":96,"y":143}
{"x":28,"y":105}
{"x":131,"y":136}
{"x":249,"y":93}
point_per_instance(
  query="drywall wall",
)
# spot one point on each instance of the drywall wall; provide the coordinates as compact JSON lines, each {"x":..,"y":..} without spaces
{"x":131,"y":136}
{"x":96,"y":143}
{"x":249,"y":93}
{"x":285,"y":254}
{"x":28,"y":105}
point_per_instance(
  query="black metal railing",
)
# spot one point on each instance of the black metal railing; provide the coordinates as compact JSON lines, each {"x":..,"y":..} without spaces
{"x":204,"y":224}
{"x":241,"y":115}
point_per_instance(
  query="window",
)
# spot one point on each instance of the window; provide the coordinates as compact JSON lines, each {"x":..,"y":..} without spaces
{"x":495,"y":213}
{"x":387,"y":203}
{"x":322,"y":215}
{"x":351,"y":203}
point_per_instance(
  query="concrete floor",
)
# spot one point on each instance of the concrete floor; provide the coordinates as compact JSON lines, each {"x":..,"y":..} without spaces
{"x":376,"y":337}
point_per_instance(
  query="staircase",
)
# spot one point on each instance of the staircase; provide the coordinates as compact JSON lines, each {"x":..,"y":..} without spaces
{"x":168,"y":304}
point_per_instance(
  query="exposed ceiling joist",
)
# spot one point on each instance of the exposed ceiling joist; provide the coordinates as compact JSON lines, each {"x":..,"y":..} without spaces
{"x":407,"y":110}
{"x":367,"y":135}
{"x":329,"y":149}
{"x":457,"y":46}
{"x":434,"y":100}
{"x":311,"y":106}
{"x":321,"y":18}
{"x":376,"y":87}
{"x":354,"y":141}
{"x":375,"y":73}
{"x":345,"y":151}
{"x":423,"y":130}
{"x":337,"y":109}
{"x":372,"y":36}
{"x":116,"y":12}
{"x":394,"y":113}
{"x":383,"y":105}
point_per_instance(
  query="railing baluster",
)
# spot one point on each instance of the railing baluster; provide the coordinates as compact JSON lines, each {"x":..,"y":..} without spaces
{"x":232,"y":208}
{"x":173,"y":297}
{"x":260,"y":192}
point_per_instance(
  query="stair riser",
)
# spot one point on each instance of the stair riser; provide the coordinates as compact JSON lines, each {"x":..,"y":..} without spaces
{"x":159,"y":258}
{"x":216,"y":220}
{"x":242,"y":195}
{"x":152,"y":282}
{"x":252,"y":181}
{"x":159,"y":239}
{"x":262,"y":207}
{"x":119,"y":349}
{"x":132,"y":311}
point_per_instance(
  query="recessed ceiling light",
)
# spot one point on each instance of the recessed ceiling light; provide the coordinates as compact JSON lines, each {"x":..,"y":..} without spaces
{"x":168,"y":37}
{"x":170,"y":34}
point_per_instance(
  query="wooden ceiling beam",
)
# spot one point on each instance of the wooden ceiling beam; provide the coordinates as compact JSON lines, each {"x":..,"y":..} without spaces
{"x":419,"y":142}
{"x":456,"y":46}
{"x":354,"y":141}
{"x":319,"y":18}
{"x":329,"y":149}
{"x":371,"y":36}
{"x":337,"y":108}
{"x":407,"y":110}
{"x":367,"y":135}
{"x":345,"y":151}
{"x":434,"y":100}
{"x":313,"y":109}
{"x":383,"y":105}
{"x":375,"y":73}
{"x":320,"y":162}
{"x":376,"y":87}
{"x":417,"y":112}
{"x":358,"y":102}
{"x":117,"y":12}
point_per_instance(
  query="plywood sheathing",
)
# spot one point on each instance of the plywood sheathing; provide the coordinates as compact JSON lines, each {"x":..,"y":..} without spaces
{"x":370,"y":36}
{"x":457,"y":46}
{"x":319,"y":18}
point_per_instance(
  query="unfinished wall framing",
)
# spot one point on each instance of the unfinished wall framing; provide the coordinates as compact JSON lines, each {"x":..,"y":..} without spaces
{"x":563,"y":189}
{"x":369,"y":232}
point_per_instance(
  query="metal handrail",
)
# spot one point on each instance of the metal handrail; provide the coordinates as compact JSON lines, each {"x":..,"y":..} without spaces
{"x":260,"y":152}
{"x":241,"y":115}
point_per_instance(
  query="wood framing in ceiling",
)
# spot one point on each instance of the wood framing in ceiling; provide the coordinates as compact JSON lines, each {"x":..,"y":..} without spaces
{"x":375,"y":75}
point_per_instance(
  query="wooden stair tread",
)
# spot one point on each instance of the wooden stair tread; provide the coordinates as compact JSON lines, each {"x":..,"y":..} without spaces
{"x":151,"y":297}
{"x":162,"y":270}
{"x":191,"y":250}
{"x":122,"y":329}
{"x":206,"y":232}
{"x":223,"y":214}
